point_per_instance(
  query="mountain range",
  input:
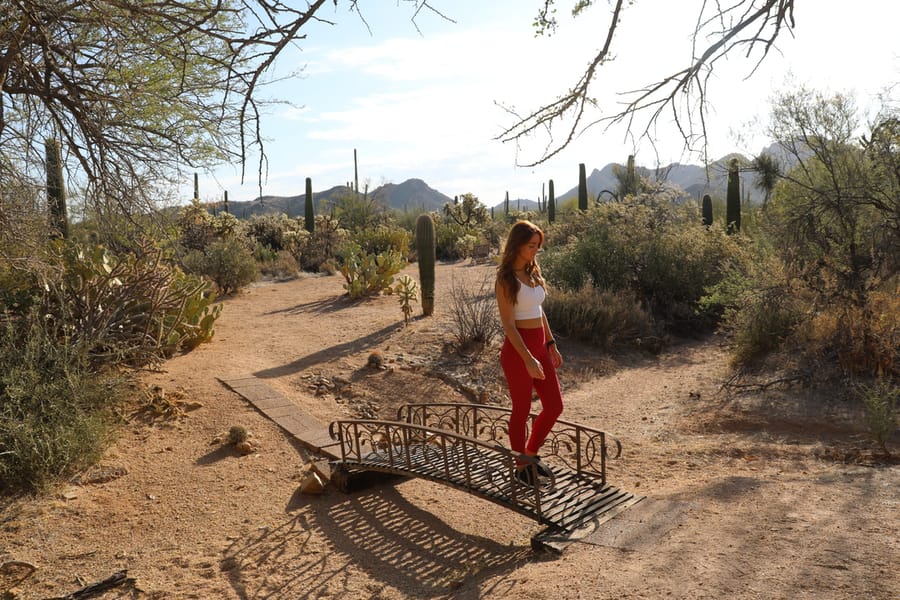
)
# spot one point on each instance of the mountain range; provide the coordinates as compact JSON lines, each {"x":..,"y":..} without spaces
{"x":416,"y":195}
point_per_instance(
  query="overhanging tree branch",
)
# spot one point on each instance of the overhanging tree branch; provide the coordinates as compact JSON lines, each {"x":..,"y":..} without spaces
{"x":745,"y":24}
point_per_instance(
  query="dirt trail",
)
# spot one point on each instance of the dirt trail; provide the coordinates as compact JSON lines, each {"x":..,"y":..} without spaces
{"x":740,"y":504}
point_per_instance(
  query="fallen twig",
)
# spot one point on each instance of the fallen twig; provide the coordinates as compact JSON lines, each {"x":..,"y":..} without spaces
{"x":116,"y":579}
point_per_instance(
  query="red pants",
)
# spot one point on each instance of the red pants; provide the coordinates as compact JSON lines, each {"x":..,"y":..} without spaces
{"x":521,"y":385}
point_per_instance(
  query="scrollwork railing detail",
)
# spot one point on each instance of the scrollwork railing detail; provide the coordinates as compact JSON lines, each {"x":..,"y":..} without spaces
{"x":580,"y":448}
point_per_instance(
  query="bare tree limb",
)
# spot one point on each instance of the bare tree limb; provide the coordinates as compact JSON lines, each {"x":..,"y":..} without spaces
{"x":746,"y":24}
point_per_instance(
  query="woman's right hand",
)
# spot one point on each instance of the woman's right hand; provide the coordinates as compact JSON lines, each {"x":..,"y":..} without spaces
{"x":534,"y":368}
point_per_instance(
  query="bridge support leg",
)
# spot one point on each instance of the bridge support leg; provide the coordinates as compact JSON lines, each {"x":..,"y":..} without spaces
{"x":350,"y":480}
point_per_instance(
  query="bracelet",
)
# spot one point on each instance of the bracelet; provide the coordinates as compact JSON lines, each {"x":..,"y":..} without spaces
{"x":550,"y":343}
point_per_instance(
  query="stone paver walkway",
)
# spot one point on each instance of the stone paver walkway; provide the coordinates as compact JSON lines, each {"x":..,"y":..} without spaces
{"x":309,"y":431}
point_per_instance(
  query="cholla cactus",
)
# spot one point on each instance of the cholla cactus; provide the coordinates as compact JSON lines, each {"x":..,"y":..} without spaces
{"x":407,"y":293}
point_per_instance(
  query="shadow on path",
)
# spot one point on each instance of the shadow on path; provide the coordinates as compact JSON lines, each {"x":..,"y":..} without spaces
{"x":328,"y":354}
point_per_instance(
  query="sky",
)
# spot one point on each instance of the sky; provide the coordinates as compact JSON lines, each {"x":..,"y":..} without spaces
{"x":428,"y":99}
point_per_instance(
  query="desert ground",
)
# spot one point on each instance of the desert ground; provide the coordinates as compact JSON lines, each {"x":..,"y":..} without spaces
{"x":756,"y":492}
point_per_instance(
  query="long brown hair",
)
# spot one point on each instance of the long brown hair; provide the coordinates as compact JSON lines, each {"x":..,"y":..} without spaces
{"x":519,"y":235}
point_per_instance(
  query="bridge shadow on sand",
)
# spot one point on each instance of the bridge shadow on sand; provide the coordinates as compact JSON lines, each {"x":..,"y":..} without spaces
{"x":335,"y":545}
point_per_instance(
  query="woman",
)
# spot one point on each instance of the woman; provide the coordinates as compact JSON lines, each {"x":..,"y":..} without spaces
{"x":529,"y":356}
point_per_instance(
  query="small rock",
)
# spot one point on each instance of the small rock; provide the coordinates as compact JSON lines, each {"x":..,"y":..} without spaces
{"x":244,"y":447}
{"x":312,"y":484}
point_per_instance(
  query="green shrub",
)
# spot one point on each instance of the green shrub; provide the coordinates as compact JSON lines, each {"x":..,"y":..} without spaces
{"x":196,"y":227}
{"x":447,"y":236}
{"x":55,"y":410}
{"x":280,"y":265}
{"x":764,"y":322}
{"x":375,"y":240}
{"x":880,"y":400}
{"x":653,"y":249}
{"x":273,"y":232}
{"x":610,"y":320}
{"x":315,"y":251}
{"x":227,"y":262}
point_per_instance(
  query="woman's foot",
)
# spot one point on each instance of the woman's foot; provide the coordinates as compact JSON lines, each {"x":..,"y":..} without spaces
{"x":541,"y":467}
{"x":527,"y":474}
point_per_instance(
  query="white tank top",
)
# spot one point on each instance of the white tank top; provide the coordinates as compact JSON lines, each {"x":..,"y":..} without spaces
{"x":528,"y":302}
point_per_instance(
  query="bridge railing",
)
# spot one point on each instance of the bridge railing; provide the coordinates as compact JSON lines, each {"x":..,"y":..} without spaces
{"x":480,"y":467}
{"x":582,"y":449}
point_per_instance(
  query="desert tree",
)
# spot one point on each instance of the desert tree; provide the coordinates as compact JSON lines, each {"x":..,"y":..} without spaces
{"x":837,"y":213}
{"x":139,"y":92}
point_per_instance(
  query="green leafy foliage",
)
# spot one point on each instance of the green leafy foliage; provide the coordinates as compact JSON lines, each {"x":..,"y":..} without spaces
{"x":880,"y":399}
{"x":227,"y":262}
{"x":832,"y":224}
{"x":654,"y":249}
{"x":382,"y":238}
{"x":467,"y":212}
{"x":610,"y":320}
{"x":316,"y":251}
{"x":274,"y":232}
{"x":197,"y":228}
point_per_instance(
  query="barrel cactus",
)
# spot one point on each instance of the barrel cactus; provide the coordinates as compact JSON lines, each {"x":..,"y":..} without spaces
{"x":426,"y":248}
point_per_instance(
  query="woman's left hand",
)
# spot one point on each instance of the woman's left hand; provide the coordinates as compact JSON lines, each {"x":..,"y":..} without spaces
{"x":555,"y":356}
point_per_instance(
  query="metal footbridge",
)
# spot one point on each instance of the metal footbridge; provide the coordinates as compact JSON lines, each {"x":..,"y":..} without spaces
{"x":462,"y":446}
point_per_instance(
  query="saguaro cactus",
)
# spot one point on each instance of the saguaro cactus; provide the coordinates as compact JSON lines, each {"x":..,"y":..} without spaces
{"x":309,"y":213}
{"x":582,"y":188}
{"x":630,"y":177}
{"x":56,"y":189}
{"x":551,"y":204}
{"x":506,"y":205}
{"x":425,"y":245}
{"x":733,"y":198}
{"x":355,"y":173}
{"x":707,"y":211}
